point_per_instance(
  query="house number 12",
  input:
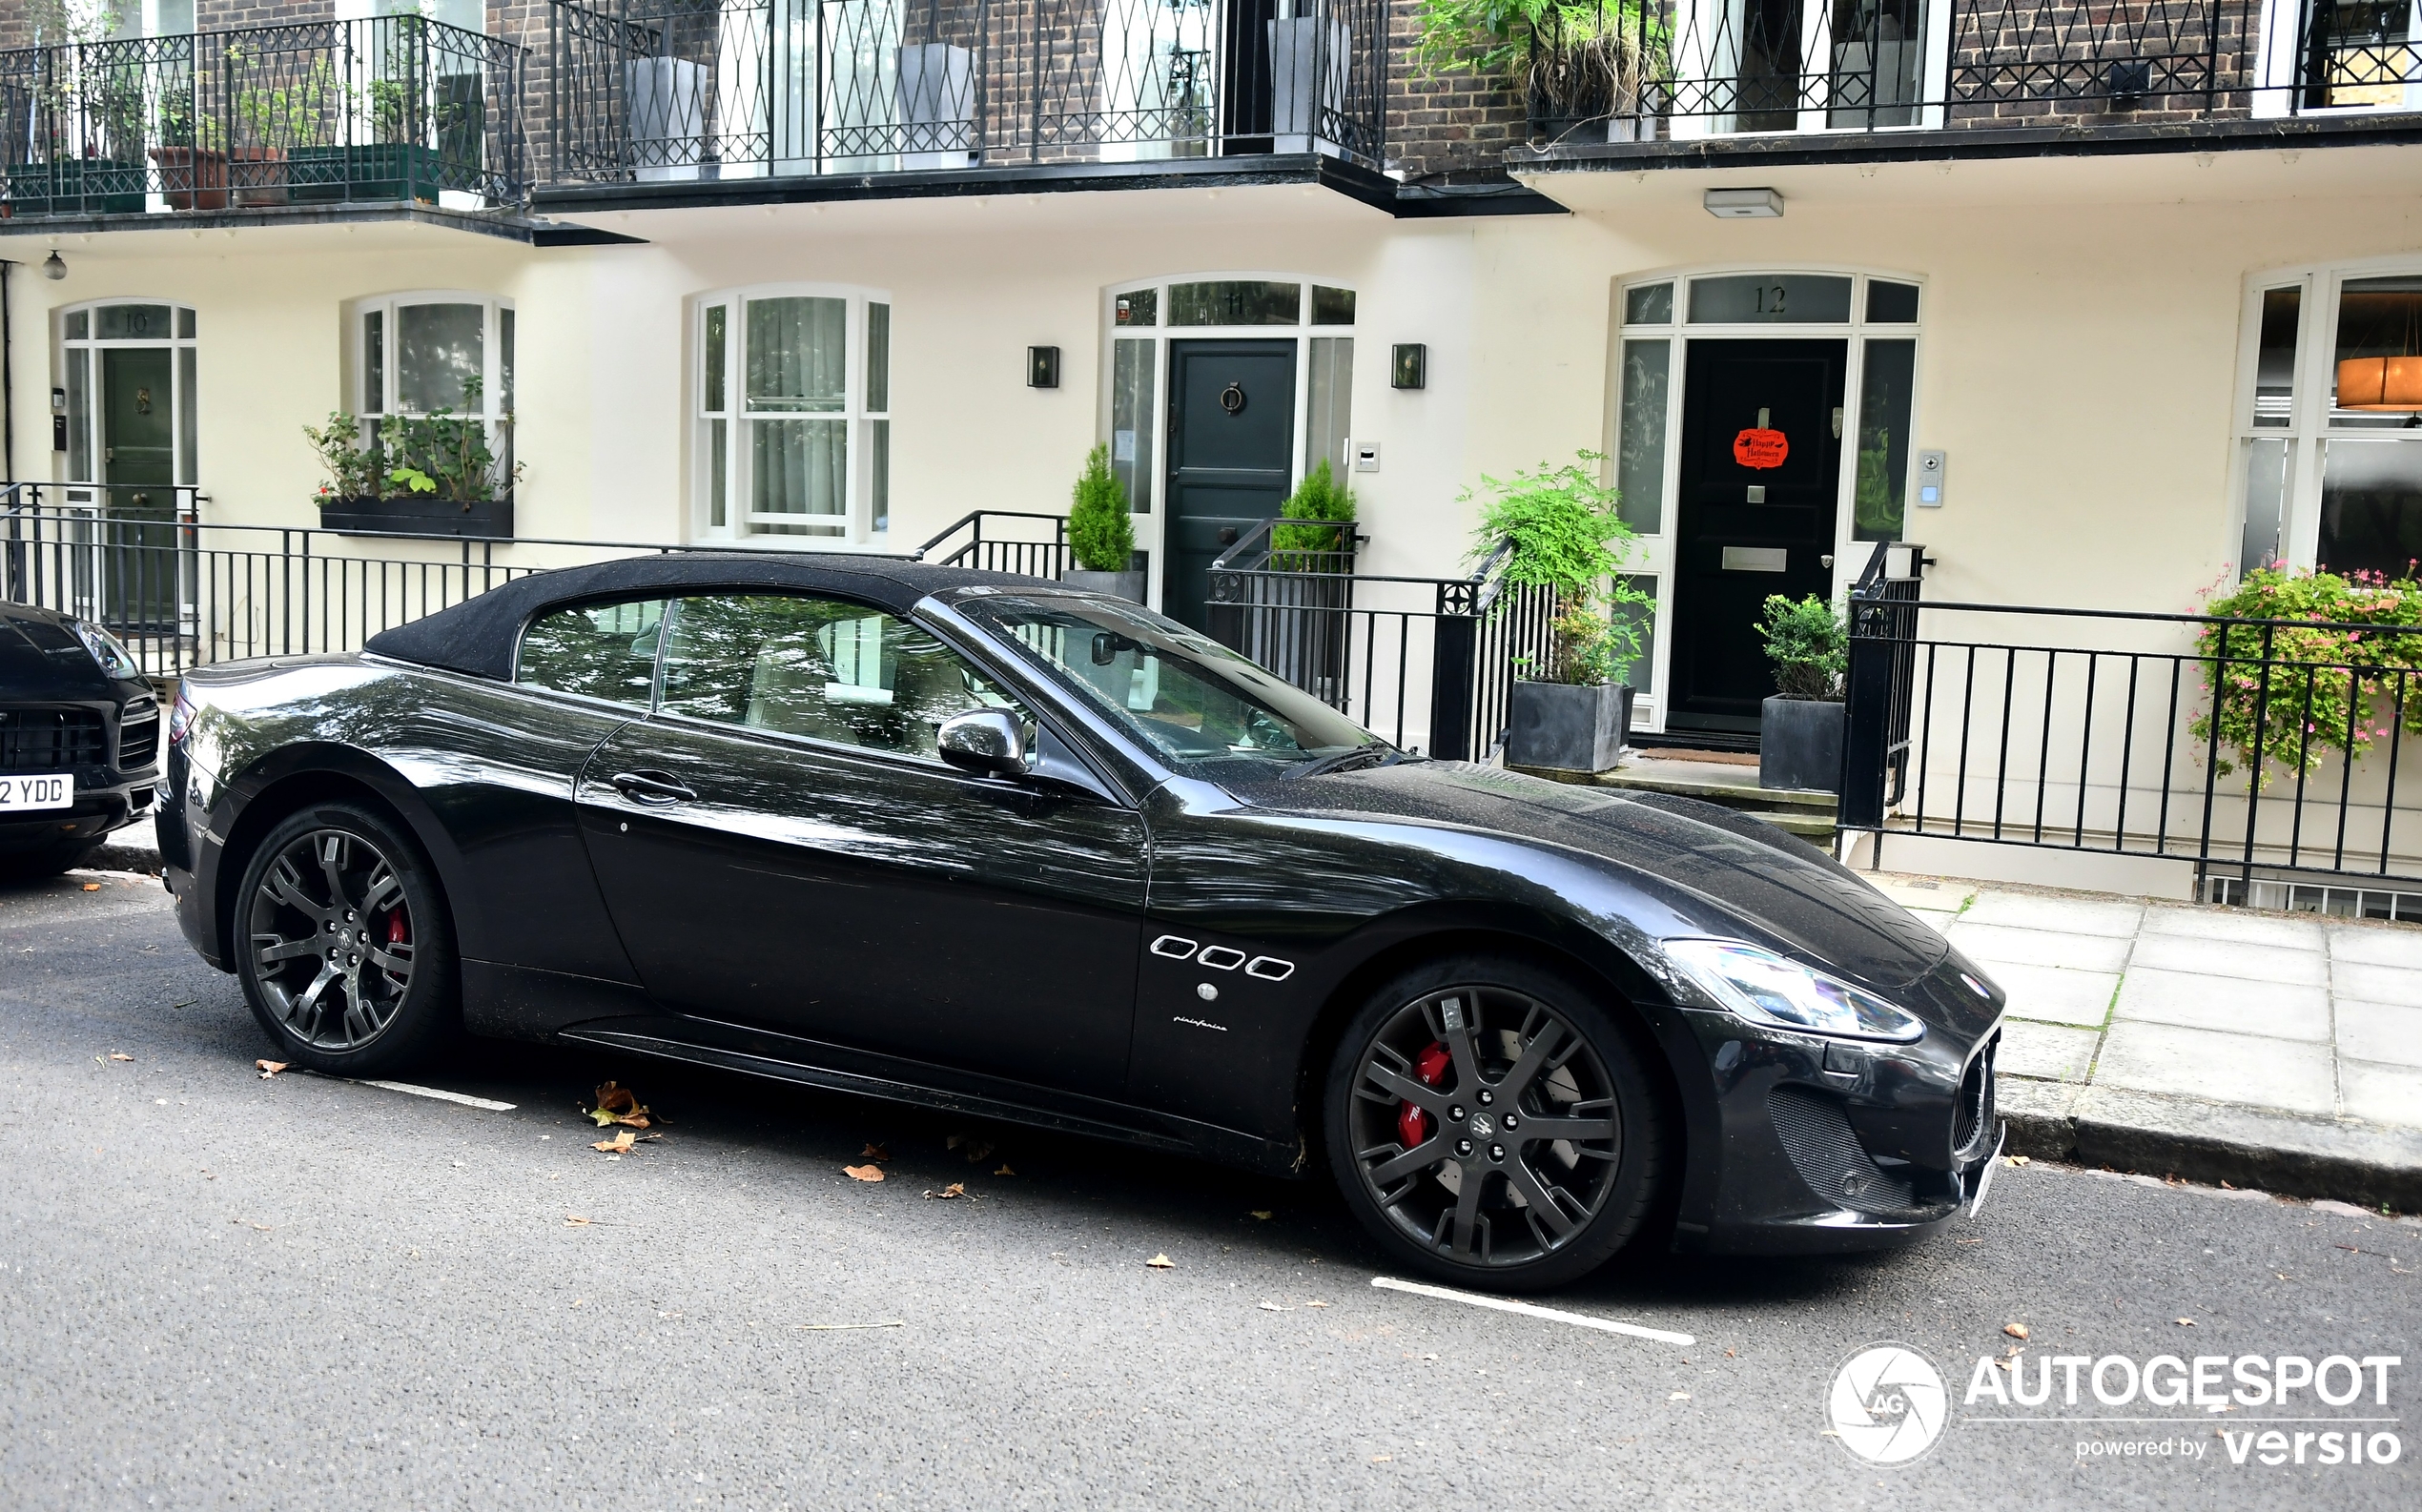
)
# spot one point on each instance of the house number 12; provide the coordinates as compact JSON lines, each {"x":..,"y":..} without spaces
{"x":1770,"y":301}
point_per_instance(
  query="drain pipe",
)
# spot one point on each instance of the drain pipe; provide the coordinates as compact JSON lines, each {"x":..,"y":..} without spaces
{"x":8,"y":381}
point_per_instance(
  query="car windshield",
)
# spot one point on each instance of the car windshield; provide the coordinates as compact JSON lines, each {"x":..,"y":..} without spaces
{"x":1207,"y":711}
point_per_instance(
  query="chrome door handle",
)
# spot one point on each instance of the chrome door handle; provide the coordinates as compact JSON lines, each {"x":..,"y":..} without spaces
{"x":652,"y":787}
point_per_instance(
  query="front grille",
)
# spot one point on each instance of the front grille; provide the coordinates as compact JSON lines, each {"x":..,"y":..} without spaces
{"x":1825,"y":1151}
{"x":1971,"y":1123}
{"x":50,"y":740}
{"x":138,"y":736}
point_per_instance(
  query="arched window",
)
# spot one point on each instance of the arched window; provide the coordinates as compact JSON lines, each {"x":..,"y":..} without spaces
{"x":792,"y":401}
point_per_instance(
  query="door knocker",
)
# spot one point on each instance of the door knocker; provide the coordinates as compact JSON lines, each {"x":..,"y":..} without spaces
{"x":142,"y":401}
{"x":1232,"y":399}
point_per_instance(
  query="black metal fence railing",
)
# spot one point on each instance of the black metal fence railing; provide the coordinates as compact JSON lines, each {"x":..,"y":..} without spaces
{"x":182,"y":593}
{"x":687,"y":89}
{"x":1675,"y":68}
{"x":393,"y":108}
{"x":1002,"y":540}
{"x":2261,"y":752}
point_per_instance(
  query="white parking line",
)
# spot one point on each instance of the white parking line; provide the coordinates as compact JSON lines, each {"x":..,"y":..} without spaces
{"x":441,"y":1096}
{"x":1532,"y":1310}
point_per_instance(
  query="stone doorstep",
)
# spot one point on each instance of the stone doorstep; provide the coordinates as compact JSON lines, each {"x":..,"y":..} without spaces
{"x":2369,"y":1164}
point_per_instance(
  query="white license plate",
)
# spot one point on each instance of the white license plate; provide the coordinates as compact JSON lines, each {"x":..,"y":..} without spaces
{"x":36,"y":792}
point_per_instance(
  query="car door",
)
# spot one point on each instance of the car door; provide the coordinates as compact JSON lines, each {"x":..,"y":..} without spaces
{"x":780,"y":845}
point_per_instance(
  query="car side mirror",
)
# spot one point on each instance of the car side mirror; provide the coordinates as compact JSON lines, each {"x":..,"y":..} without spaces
{"x":985,"y":740}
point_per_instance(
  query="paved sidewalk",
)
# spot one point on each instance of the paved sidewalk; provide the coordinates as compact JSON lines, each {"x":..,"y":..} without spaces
{"x":2165,"y":1031}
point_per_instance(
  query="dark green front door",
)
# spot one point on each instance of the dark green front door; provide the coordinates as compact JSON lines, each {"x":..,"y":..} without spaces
{"x":138,"y":462}
{"x":1231,"y":441}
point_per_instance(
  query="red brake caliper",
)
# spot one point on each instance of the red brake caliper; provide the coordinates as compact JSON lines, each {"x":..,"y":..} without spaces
{"x":398,"y":932}
{"x":1413,"y":1125}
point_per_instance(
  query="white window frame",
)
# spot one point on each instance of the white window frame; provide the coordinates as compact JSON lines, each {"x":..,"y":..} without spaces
{"x":496,"y":402}
{"x":2278,"y":68}
{"x":2309,"y":426}
{"x":87,"y":350}
{"x":865,"y":523}
{"x":1652,"y":555}
{"x":1712,"y":42}
{"x":1151,"y":523}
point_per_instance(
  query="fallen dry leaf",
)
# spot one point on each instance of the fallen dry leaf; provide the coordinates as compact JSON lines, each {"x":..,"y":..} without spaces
{"x":117,"y":1055}
{"x":618,"y":1105}
{"x":617,"y":1145}
{"x":92,"y":886}
{"x":2020,"y":1160}
{"x":270,"y":1068}
{"x":1264,"y":1214}
{"x":2185,"y":1322}
{"x":869,"y":1172}
{"x":1161,"y":1262}
{"x":952,"y":1141}
{"x":1004,"y":1171}
{"x":2015,"y":1330}
{"x":573,"y":1220}
{"x":876,"y":1152}
{"x":1316,"y":1305}
{"x":1273,"y":1307}
{"x":979,"y":1150}
{"x":1383,"y":1458}
{"x":957,"y":1189}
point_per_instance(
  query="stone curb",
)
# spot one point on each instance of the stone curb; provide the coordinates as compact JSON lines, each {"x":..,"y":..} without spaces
{"x":2284,"y":1154}
{"x":133,"y":848}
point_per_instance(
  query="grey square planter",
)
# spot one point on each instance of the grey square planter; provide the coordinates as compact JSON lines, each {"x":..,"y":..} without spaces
{"x":1109,"y":585}
{"x":1565,"y":727}
{"x":1799,"y":743}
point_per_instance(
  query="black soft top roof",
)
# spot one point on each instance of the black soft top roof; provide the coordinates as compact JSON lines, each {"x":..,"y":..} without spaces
{"x":477,"y":636}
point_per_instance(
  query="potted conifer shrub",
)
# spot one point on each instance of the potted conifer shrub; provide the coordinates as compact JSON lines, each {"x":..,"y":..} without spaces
{"x":1101,"y":533}
{"x":1800,"y":728}
{"x":1568,"y":708}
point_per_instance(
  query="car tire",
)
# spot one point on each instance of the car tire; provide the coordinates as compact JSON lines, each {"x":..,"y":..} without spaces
{"x":29,"y":866}
{"x":1442,"y":1055}
{"x":343,"y":945}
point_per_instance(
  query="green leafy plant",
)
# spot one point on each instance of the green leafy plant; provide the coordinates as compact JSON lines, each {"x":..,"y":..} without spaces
{"x":1567,"y":58}
{"x":2342,"y":679}
{"x":445,"y":453}
{"x":1315,"y":547}
{"x":352,"y":469}
{"x":1101,"y":531}
{"x":1807,"y":642}
{"x":1567,"y":537}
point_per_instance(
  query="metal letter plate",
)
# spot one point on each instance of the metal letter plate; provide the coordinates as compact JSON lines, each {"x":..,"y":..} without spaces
{"x":1756,"y":559}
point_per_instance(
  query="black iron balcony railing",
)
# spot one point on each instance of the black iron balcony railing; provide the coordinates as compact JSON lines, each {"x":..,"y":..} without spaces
{"x":1650,"y":69}
{"x":689,"y":89}
{"x":390,"y":109}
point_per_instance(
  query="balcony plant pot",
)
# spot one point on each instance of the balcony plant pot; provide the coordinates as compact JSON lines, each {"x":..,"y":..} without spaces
{"x":1799,"y":743}
{"x":256,"y":175}
{"x":417,"y":515}
{"x":1566,"y":726}
{"x":192,"y":177}
{"x":86,"y":186}
{"x":370,"y":170}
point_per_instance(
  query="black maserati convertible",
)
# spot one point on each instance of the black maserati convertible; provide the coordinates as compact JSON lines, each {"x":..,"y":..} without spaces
{"x":983,"y":843}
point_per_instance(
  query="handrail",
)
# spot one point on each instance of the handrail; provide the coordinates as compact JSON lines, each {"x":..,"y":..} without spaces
{"x":976,"y":517}
{"x":2171,"y":619}
{"x":1225,"y":561}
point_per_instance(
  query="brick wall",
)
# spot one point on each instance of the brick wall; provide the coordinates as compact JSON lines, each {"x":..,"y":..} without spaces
{"x":2015,"y":78}
{"x":1454,"y":127}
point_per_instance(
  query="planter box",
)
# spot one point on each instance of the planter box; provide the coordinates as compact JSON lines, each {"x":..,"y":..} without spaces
{"x":375,"y":170}
{"x":1566,"y":727}
{"x":77,"y":186}
{"x":192,"y":177}
{"x":1127,"y":585}
{"x":1799,"y":743}
{"x":417,"y":515}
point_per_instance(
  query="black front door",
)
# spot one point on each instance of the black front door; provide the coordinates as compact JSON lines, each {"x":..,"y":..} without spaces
{"x":1762,"y":470}
{"x":785,"y":850}
{"x":1231,"y":441}
{"x":138,"y":457}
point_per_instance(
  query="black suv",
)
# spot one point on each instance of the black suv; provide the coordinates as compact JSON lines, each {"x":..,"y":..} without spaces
{"x":79,"y":738}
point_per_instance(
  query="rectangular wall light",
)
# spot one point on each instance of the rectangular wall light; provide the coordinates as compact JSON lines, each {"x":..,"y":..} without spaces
{"x":1744,"y":204}
{"x":1409,"y":366}
{"x":1043,"y":367}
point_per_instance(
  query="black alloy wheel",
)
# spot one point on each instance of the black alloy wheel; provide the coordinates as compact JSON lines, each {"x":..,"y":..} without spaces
{"x":342,"y":942}
{"x":1493,"y":1125}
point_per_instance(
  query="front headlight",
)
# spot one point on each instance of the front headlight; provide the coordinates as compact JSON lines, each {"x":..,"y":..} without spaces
{"x":1767,"y":989}
{"x":113,"y":658}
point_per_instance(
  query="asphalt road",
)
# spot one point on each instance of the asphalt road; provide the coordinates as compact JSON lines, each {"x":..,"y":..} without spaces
{"x":219,"y":1289}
